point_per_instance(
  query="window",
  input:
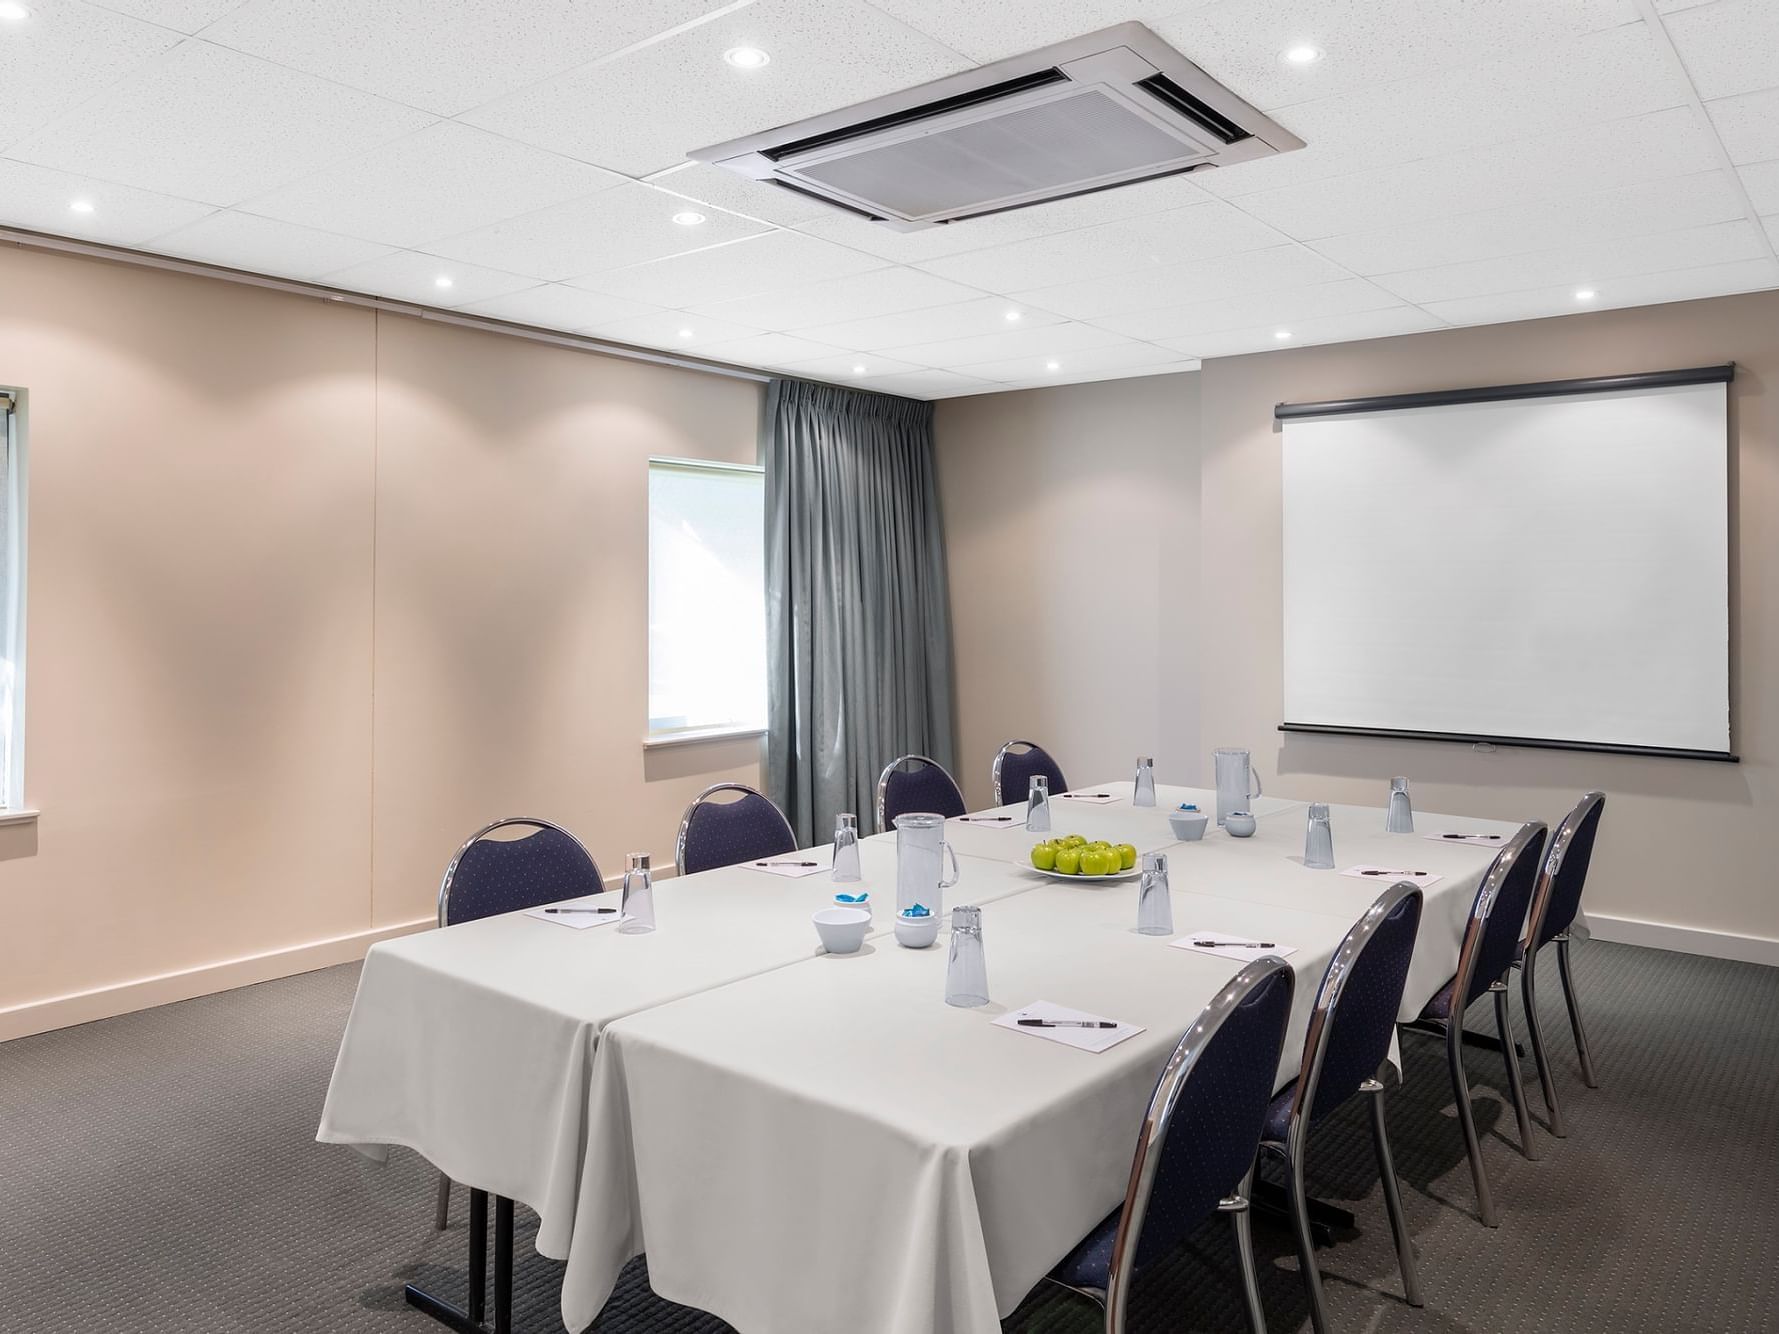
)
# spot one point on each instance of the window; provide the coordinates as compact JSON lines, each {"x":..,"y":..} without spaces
{"x":707,"y":598}
{"x":12,"y":601}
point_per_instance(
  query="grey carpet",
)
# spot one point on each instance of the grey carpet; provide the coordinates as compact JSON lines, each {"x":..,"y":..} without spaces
{"x":158,"y":1172}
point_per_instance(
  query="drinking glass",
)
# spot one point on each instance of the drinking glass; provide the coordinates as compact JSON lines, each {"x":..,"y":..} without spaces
{"x":1037,"y":805}
{"x":966,"y":971}
{"x":1155,"y":910}
{"x":846,"y":850}
{"x":1318,"y":843}
{"x":1400,"y":817}
{"x":1234,"y":774}
{"x":638,"y":903}
{"x":921,"y":854}
{"x":1143,"y":791}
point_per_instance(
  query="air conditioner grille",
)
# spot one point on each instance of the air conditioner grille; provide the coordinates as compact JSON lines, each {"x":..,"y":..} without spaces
{"x":1052,"y":145}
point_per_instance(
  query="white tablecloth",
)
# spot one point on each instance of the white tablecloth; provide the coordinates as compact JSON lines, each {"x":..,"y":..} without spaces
{"x":830,"y":1146}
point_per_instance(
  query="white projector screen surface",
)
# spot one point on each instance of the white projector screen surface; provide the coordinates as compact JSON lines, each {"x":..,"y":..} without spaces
{"x":1551,"y":569}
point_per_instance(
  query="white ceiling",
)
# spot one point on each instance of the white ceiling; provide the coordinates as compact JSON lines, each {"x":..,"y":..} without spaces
{"x":1470,"y":161}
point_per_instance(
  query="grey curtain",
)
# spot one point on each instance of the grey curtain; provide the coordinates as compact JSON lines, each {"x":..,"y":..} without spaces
{"x":857,"y":615}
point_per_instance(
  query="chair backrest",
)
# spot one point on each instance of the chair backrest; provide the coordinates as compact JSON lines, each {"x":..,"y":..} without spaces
{"x":1202,"y":1129}
{"x":722,"y":833}
{"x":1498,"y":916}
{"x":921,"y":786}
{"x":1565,"y":873}
{"x":489,"y":876}
{"x":1015,"y":763}
{"x":1354,"y":1018}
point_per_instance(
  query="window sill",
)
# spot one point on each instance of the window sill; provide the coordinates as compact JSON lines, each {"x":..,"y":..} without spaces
{"x":27,"y":815}
{"x":692,"y":738}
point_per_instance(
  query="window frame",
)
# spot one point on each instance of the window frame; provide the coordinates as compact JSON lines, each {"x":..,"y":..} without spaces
{"x":680,"y":736}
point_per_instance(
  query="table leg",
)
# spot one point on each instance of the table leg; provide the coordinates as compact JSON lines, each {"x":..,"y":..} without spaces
{"x":471,"y":1321}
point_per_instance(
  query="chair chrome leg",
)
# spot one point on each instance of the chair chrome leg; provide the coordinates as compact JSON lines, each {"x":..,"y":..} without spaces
{"x":1295,"y":1152}
{"x":442,"y":1217}
{"x":1236,"y":1206}
{"x":1386,"y":1168}
{"x":1516,"y":1089}
{"x":1454,"y":1057}
{"x":1535,"y":1030}
{"x":1581,"y":1037}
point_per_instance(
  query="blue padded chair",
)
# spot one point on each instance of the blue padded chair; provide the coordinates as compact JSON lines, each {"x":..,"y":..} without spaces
{"x":1344,"y":1053}
{"x":489,"y":876}
{"x":1015,"y":763}
{"x":721,"y":833}
{"x":923,"y":785}
{"x":1196,"y":1147}
{"x":1491,"y":944}
{"x":1555,"y":906}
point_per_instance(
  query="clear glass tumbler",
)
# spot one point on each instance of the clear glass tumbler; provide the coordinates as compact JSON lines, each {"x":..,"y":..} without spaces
{"x":638,"y":903}
{"x":1400,"y":817}
{"x":846,"y":850}
{"x":1037,"y":805}
{"x":1155,"y":909}
{"x":1142,"y":792}
{"x":966,"y":972}
{"x":1318,"y":842}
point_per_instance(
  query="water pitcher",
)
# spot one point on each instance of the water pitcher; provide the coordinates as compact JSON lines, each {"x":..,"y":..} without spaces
{"x":1400,"y":818}
{"x":846,"y":850}
{"x":638,"y":903}
{"x":1037,"y":805}
{"x":921,"y":855}
{"x":1234,"y":775}
{"x":966,"y":971}
{"x":1318,"y":840}
{"x":1155,"y":910}
{"x":1142,"y":792}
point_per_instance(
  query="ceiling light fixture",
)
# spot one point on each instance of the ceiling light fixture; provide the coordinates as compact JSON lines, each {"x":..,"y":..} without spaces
{"x":858,"y":370}
{"x":443,"y":280}
{"x":688,"y":218}
{"x":1281,"y":334}
{"x":13,"y":12}
{"x":1585,"y":294}
{"x":1014,"y":316}
{"x":1302,"y":55}
{"x":685,"y":333}
{"x":1053,"y":365}
{"x":746,"y":57}
{"x":80,"y":206}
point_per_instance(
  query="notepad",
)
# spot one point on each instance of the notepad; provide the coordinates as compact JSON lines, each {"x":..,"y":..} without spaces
{"x":1480,"y":840}
{"x":580,"y":921}
{"x":790,"y":867}
{"x":1236,"y":948}
{"x":1084,"y":1039}
{"x":1390,"y":876}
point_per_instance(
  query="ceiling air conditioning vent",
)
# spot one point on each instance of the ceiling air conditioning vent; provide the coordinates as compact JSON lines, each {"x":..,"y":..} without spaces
{"x":1115,"y":106}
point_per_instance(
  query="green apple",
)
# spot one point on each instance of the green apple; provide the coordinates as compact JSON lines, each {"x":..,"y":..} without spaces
{"x":1044,"y":856}
{"x":1068,"y":860}
{"x":1095,"y":861}
{"x":1077,"y":840}
{"x":1127,"y":856}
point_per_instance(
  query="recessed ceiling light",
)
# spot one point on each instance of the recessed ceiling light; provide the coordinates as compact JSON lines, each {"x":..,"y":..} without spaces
{"x":1014,"y":316}
{"x":1053,"y":365}
{"x":1281,"y":334}
{"x":688,"y":218}
{"x":13,"y":12}
{"x":858,"y":370}
{"x":1302,"y":55}
{"x":746,"y":57}
{"x":1585,"y":294}
{"x":80,"y":206}
{"x":685,"y":333}
{"x":443,"y":280}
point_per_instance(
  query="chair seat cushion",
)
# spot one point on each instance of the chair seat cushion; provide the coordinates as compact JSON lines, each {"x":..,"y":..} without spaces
{"x":1089,"y":1265}
{"x":1440,"y":1007}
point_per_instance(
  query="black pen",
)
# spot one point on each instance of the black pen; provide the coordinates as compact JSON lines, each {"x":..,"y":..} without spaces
{"x":1408,"y":873}
{"x":1086,"y":794}
{"x":1234,"y":944}
{"x":986,"y":819}
{"x":1067,"y":1023}
{"x":580,"y":910}
{"x":787,"y":863}
{"x":1493,"y":836}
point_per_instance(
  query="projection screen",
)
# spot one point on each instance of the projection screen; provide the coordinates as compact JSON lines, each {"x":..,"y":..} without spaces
{"x":1544,"y":569}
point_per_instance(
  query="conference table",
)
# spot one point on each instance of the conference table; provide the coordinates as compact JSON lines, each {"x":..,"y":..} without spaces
{"x":809,"y":1142}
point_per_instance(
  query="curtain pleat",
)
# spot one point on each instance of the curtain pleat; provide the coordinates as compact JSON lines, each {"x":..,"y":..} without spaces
{"x":857,"y":611}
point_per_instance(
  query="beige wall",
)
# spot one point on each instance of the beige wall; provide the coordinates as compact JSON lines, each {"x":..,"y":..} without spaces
{"x":1685,"y":843}
{"x":314,"y":591}
{"x":1071,"y":531}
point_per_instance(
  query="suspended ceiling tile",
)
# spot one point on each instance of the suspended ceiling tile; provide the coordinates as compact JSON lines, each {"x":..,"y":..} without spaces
{"x":1009,"y":344}
{"x":1271,"y":270}
{"x":762,"y":263}
{"x":553,"y":306}
{"x":860,"y":296}
{"x":63,"y":54}
{"x":772,"y":349}
{"x":1385,"y":323}
{"x":1648,"y":289}
{"x":446,"y":179}
{"x":444,"y":56}
{"x":962,"y":319}
{"x":408,"y":275}
{"x":646,"y":110}
{"x":616,"y":227}
{"x":851,"y":367}
{"x":928,"y":384}
{"x":1729,"y":47}
{"x":1127,"y":355}
{"x":1748,"y":125}
{"x":39,"y":200}
{"x":204,"y":123}
{"x":262,"y":245}
{"x":675,"y":329}
{"x":180,"y":15}
{"x":1761,"y":181}
{"x":1343,"y":297}
{"x":1050,"y":380}
{"x":702,"y":183}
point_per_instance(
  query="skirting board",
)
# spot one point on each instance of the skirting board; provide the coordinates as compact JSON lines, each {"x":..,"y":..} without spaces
{"x":1685,"y":939}
{"x":103,"y":1002}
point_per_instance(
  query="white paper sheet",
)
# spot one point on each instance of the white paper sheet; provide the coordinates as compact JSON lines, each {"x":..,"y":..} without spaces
{"x":1239,"y":952}
{"x":792,"y":867}
{"x":1481,"y":840}
{"x":1389,"y":875}
{"x":1086,"y":1039}
{"x":580,"y":921}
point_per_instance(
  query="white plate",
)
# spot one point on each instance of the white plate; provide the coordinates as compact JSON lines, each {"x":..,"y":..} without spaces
{"x":1092,"y":879}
